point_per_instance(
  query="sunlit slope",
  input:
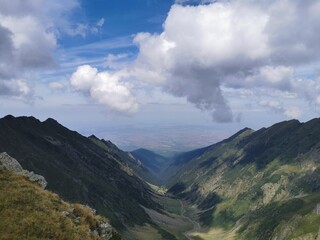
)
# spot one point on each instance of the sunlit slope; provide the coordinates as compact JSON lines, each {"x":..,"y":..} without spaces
{"x":257,"y":185}
{"x":29,"y":212}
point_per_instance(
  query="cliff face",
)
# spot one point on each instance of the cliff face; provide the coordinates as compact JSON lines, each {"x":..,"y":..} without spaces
{"x":30,"y":212}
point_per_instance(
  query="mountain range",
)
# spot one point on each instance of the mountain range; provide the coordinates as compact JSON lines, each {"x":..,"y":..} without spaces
{"x":262,"y":184}
{"x":79,"y":169}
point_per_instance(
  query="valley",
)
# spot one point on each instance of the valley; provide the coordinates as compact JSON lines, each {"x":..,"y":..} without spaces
{"x":159,"y":120}
{"x":257,"y":185}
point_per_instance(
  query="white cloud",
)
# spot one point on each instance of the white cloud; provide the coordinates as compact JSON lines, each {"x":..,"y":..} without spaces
{"x":105,"y":88}
{"x":200,"y":46}
{"x":28,"y":37}
{"x":116,"y":61}
{"x":80,"y":29}
{"x":290,"y":112}
{"x":56,"y":86}
{"x":83,"y":29}
{"x":254,"y":45}
{"x":279,"y":77}
{"x":101,"y":22}
{"x":293,"y":112}
{"x":240,"y":45}
{"x":17,"y":88}
{"x":318,"y":100}
{"x":271,"y":104}
{"x":195,"y":1}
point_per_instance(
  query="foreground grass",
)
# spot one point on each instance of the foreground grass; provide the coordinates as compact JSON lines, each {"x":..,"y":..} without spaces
{"x":29,"y":212}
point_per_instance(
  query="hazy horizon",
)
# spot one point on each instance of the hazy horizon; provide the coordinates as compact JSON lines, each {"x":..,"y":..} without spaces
{"x":166,"y":75}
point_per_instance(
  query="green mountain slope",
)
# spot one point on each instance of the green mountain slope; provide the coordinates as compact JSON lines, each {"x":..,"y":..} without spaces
{"x":256,"y":185}
{"x":78,"y":169}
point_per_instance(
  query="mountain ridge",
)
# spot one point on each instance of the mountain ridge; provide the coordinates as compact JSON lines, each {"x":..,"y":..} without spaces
{"x":77,"y":169}
{"x":254,"y":185}
{"x":248,"y":185}
{"x":154,"y":162}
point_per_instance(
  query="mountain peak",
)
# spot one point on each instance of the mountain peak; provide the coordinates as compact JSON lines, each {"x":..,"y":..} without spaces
{"x":93,"y":137}
{"x":51,"y":121}
{"x":8,"y":117}
{"x":244,"y":131}
{"x":20,"y":120}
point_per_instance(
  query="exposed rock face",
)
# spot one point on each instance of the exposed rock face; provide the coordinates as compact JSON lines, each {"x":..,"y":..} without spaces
{"x":11,"y":164}
{"x":105,"y":231}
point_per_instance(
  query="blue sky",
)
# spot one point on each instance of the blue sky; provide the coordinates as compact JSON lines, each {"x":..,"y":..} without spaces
{"x":166,"y":75}
{"x":122,"y":18}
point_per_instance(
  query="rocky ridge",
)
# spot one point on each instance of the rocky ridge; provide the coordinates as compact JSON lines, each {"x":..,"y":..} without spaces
{"x":11,"y":164}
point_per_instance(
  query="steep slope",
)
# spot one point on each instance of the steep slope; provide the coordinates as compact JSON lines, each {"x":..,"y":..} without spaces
{"x":77,"y":169}
{"x":151,"y":160}
{"x":256,"y":185}
{"x":29,"y":212}
{"x":183,"y":159}
{"x":126,"y":159}
{"x":155,"y":163}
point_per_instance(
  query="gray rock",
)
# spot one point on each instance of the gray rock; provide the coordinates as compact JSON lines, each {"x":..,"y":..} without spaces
{"x":77,"y":220}
{"x":95,"y":233}
{"x":65,"y":214}
{"x":11,"y":164}
{"x":105,"y":230}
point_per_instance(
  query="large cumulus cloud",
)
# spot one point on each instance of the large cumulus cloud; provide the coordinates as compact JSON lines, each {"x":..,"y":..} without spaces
{"x":105,"y":88}
{"x":235,"y":44}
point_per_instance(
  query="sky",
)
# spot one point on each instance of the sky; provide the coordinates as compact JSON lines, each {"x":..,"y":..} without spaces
{"x":166,"y":75}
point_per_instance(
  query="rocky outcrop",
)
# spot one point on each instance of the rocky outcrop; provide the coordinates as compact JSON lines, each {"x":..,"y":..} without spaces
{"x":104,"y":231}
{"x":101,"y":229}
{"x":11,"y":164}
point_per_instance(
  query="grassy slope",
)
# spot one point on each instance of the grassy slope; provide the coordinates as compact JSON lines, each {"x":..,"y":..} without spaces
{"x":77,"y":169}
{"x":259,"y":178}
{"x":81,"y":169}
{"x":29,"y":212}
{"x":287,"y":219}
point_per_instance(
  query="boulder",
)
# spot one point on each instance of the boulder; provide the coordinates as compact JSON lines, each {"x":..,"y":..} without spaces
{"x":11,"y":164}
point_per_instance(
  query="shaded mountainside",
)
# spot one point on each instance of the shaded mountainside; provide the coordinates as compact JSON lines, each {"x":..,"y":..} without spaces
{"x":78,"y":169}
{"x":29,"y":212}
{"x":127,"y":159}
{"x":255,"y":185}
{"x":261,"y":184}
{"x":155,"y":163}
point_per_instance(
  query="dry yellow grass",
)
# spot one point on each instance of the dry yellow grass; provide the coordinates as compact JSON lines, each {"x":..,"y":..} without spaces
{"x":29,"y":212}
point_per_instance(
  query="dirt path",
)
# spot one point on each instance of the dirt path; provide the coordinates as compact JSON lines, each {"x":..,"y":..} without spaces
{"x":196,"y":225}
